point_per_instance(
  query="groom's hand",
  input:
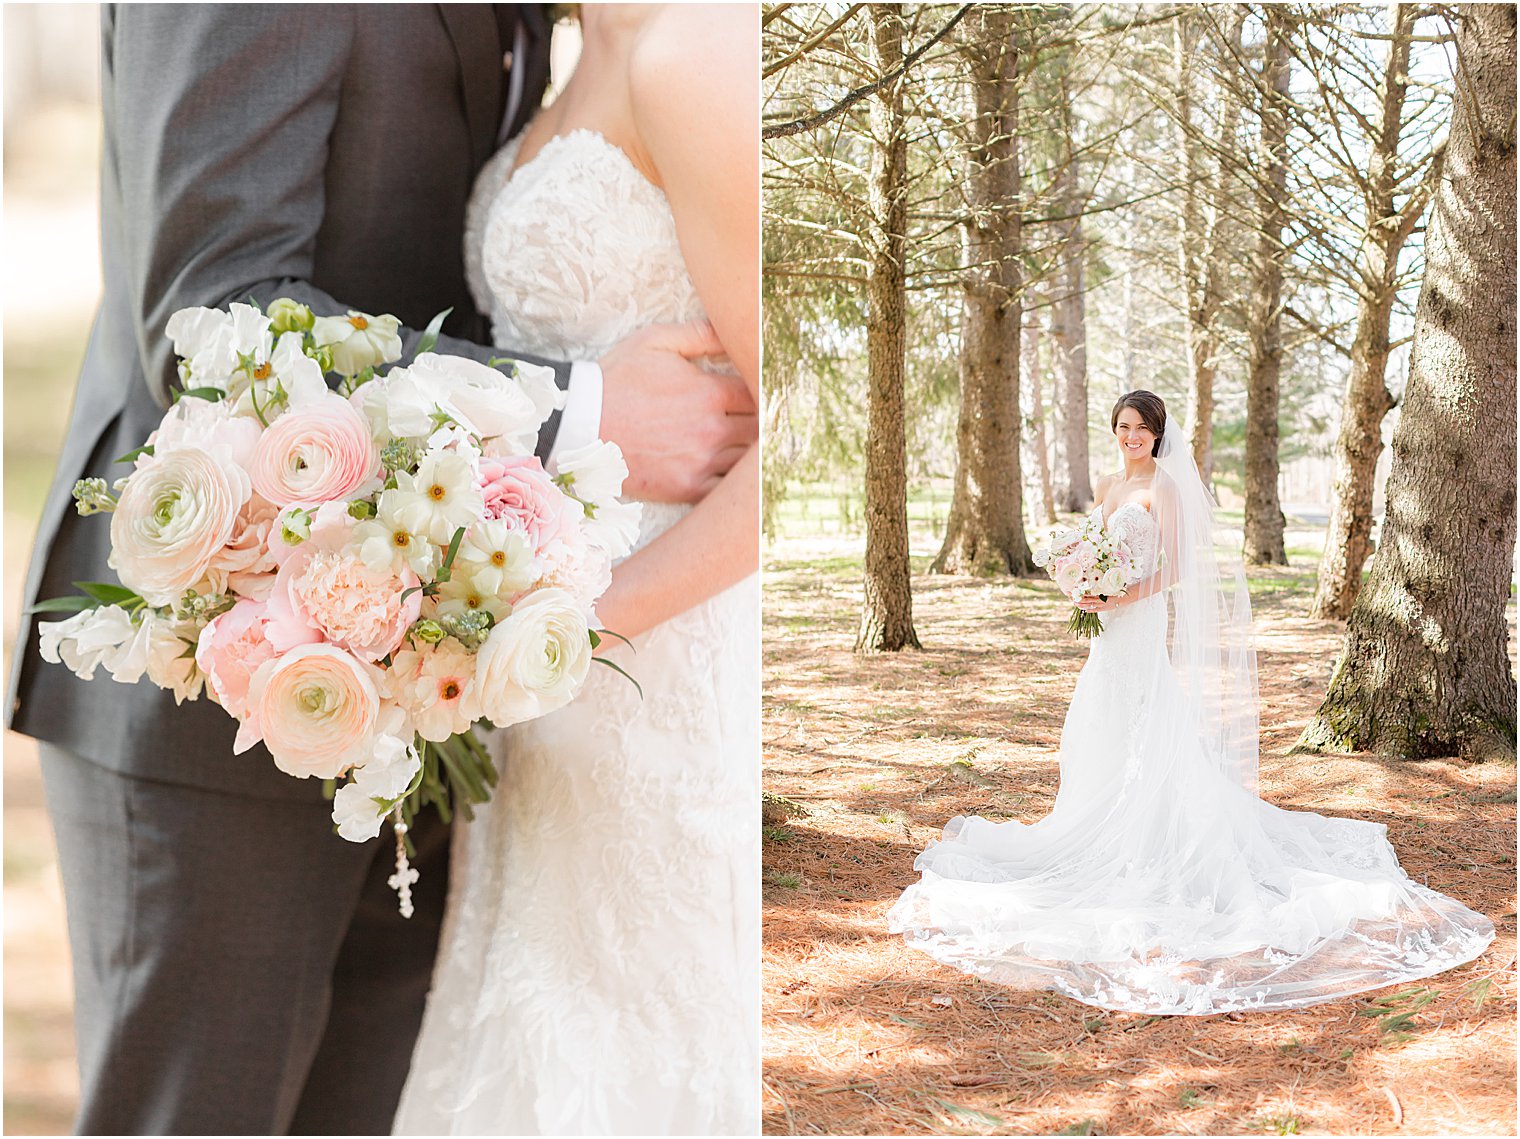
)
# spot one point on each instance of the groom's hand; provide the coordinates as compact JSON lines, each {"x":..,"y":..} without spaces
{"x":680,"y":428}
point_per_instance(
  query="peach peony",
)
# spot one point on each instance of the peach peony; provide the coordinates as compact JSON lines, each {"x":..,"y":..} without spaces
{"x":230,"y":650}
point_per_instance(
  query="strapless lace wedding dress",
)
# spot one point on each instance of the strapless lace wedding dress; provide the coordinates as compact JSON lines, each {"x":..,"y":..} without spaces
{"x":599,"y":970}
{"x":1157,"y":884}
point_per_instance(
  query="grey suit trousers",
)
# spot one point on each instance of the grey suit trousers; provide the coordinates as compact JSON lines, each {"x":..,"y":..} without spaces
{"x":187,"y":909}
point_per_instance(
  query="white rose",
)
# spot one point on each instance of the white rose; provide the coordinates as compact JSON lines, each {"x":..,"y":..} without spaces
{"x":174,"y":517}
{"x":535,"y":661}
{"x":1112,"y":583}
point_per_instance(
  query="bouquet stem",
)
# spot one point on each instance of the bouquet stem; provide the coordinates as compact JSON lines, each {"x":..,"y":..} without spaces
{"x":1083,"y":624}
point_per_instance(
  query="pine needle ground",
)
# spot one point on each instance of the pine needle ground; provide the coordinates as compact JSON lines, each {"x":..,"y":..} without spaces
{"x":873,"y":754}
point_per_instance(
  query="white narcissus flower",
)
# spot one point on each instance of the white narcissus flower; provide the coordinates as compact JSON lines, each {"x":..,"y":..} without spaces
{"x":535,"y":661}
{"x":442,"y":496}
{"x":594,"y":474}
{"x":465,"y":592}
{"x":395,"y":537}
{"x":358,"y":340}
{"x":498,"y":558}
{"x":174,"y":516}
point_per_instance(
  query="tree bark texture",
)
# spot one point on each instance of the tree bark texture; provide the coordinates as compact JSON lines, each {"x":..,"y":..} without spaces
{"x":886,"y":620}
{"x":1035,"y":439}
{"x":1359,"y":442}
{"x":1424,"y":669}
{"x":1263,"y":510}
{"x":985,"y":530}
{"x":1072,"y":480}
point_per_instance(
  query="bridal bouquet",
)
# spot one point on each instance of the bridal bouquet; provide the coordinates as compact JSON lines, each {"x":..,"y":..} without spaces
{"x":1085,"y":561}
{"x":358,"y":576}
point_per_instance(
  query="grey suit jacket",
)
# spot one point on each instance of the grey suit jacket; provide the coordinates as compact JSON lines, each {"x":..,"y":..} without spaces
{"x":320,"y":152}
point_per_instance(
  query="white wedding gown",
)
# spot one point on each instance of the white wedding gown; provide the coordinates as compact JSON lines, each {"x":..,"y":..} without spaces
{"x":1158,"y":883}
{"x":599,"y":969}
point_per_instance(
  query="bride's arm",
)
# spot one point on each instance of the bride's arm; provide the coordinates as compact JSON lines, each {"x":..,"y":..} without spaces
{"x":695,"y":107}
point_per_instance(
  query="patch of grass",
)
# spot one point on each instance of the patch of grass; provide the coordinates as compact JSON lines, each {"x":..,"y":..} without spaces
{"x":777,"y":834}
{"x":786,"y":879}
{"x":892,"y":819}
{"x":1277,"y":1124}
{"x":1395,"y":1013}
{"x":1190,"y":1098}
{"x":1085,"y":1127}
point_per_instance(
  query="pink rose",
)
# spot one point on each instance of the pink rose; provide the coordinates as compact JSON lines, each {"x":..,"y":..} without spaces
{"x":230,"y":651}
{"x":519,"y":492}
{"x":316,"y":709}
{"x":317,"y":452}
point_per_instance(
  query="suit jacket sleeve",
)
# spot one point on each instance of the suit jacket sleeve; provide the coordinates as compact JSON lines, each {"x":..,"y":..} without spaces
{"x":222,"y":115}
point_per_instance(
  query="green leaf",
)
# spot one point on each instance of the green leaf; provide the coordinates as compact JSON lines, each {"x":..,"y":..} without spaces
{"x":63,"y":605}
{"x":146,"y":449}
{"x":619,"y":669}
{"x":430,"y":333}
{"x":106,"y":592}
{"x":610,"y":633}
{"x":211,"y":395}
{"x":448,"y":558}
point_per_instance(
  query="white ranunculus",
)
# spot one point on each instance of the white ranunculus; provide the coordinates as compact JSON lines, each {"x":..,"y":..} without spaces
{"x":1112,"y":583}
{"x":174,"y":516}
{"x":594,"y":474}
{"x":358,"y":340}
{"x":86,"y":640}
{"x":535,"y":661}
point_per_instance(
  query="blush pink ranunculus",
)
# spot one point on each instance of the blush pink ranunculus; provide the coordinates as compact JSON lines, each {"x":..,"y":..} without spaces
{"x":230,"y":650}
{"x":315,"y":708}
{"x":319,"y":451}
{"x":519,"y":492}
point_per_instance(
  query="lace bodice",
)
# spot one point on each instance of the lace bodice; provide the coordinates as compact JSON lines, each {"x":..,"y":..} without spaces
{"x":1136,"y":527}
{"x":574,"y":249}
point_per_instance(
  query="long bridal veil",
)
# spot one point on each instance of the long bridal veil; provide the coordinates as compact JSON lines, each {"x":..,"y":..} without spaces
{"x":1160,"y":882}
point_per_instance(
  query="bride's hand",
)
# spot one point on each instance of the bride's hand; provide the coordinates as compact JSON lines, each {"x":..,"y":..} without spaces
{"x":1095,"y":604}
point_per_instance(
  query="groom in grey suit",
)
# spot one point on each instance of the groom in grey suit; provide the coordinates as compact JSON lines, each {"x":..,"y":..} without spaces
{"x":240,"y":969}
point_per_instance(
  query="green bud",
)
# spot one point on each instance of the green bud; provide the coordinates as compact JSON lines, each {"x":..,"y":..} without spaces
{"x":295,"y":526}
{"x":428,"y":631}
{"x":92,"y":497}
{"x":286,"y":315}
{"x":361,"y":509}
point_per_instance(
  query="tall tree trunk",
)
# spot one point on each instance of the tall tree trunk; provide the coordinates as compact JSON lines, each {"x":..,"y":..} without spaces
{"x":985,"y":531}
{"x":1359,"y":442}
{"x":1424,"y":670}
{"x":1264,"y":520}
{"x":1202,"y":224}
{"x":1068,"y":329}
{"x":1032,"y":395}
{"x":886,"y":621}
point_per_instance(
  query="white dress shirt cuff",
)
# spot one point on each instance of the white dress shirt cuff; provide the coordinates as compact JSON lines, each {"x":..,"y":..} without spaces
{"x":581,"y":422}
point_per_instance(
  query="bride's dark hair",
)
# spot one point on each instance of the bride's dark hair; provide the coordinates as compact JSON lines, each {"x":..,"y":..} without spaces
{"x":1152,"y":409}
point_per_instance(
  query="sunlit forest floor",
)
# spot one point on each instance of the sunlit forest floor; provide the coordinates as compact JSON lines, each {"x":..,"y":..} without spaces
{"x":865,"y":1036}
